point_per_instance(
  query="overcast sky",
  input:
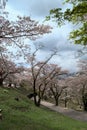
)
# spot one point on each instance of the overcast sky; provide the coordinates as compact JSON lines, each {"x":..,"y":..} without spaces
{"x":38,"y":9}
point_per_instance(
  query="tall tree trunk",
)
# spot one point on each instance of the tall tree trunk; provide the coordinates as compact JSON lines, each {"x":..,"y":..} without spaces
{"x":57,"y":101}
{"x":35,"y":100}
{"x":38,"y":102}
{"x":34,"y":90}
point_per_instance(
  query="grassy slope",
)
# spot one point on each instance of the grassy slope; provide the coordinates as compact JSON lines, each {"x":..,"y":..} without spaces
{"x":23,"y":115}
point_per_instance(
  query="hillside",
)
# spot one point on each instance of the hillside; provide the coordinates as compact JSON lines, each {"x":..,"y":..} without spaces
{"x":23,"y":115}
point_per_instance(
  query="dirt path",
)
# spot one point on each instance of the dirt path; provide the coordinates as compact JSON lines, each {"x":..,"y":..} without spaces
{"x":82,"y":116}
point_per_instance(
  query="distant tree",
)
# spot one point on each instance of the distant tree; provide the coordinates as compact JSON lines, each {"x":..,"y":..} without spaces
{"x":82,"y":64}
{"x":26,"y":84}
{"x":7,"y":68}
{"x":10,"y":80}
{"x":13,"y":80}
{"x":79,"y":89}
{"x":83,"y":73}
{"x":57,"y":87}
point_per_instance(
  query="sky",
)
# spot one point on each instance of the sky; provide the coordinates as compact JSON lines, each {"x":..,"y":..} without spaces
{"x":38,"y":10}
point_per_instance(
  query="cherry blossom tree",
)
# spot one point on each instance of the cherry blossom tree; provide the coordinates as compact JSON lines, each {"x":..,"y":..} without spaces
{"x":7,"y":67}
{"x":78,"y":86}
{"x":37,"y":76}
{"x":57,"y":87}
{"x":14,"y":33}
{"x":48,"y":72}
{"x":17,"y":31}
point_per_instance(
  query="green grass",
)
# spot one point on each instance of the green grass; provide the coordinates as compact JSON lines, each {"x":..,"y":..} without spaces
{"x":23,"y":115}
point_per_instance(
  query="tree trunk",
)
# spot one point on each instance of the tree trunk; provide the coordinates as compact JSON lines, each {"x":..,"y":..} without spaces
{"x":15,"y":85}
{"x":85,"y":107}
{"x":34,"y":90}
{"x":35,"y":100}
{"x":38,"y":102}
{"x":84,"y":99}
{"x":9,"y":85}
{"x":57,"y":101}
{"x":1,"y":82}
{"x":65,"y":103}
